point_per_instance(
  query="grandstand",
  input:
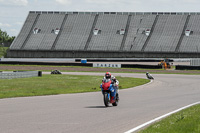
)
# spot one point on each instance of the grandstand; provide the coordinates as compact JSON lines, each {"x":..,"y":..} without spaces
{"x":108,"y":35}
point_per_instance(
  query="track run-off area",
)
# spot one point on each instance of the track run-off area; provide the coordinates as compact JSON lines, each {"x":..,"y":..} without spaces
{"x":86,"y":113}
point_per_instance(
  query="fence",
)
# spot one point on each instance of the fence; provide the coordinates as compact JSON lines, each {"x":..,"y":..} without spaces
{"x":195,"y":62}
{"x":19,"y":74}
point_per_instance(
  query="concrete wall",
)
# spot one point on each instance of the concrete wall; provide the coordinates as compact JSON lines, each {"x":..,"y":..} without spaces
{"x":195,"y":62}
{"x":23,"y":74}
{"x":97,"y":54}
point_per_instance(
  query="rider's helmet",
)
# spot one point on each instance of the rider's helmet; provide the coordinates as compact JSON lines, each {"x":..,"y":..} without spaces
{"x":108,"y":75}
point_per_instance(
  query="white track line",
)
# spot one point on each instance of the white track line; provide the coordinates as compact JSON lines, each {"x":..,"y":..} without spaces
{"x":159,"y":118}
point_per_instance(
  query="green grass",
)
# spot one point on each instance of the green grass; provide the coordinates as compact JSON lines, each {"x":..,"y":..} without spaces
{"x":83,"y":67}
{"x":185,"y":121}
{"x":72,"y":66}
{"x":58,"y":84}
{"x":113,"y":70}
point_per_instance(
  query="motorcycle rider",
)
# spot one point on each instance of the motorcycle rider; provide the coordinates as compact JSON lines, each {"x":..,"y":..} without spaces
{"x":149,"y":76}
{"x":115,"y":83}
{"x":113,"y":79}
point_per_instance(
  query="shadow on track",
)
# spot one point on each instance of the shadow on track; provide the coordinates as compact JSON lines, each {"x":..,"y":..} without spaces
{"x":95,"y":107}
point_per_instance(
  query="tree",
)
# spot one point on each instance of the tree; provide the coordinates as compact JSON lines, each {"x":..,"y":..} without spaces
{"x":4,"y":37}
{"x":3,"y":51}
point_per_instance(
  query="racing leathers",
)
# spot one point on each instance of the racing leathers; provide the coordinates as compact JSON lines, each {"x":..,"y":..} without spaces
{"x":115,"y":90}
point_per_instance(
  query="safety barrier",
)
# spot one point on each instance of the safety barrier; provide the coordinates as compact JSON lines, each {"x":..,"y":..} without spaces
{"x":184,"y":67}
{"x":195,"y":62}
{"x":19,"y":74}
{"x":46,"y":63}
{"x":141,"y":66}
{"x":89,"y":64}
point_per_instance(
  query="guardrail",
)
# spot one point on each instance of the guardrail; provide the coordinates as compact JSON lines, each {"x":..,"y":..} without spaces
{"x":19,"y":74}
{"x":46,"y":63}
{"x":184,"y":67}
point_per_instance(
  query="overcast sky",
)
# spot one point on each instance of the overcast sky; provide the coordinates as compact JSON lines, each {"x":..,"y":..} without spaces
{"x":14,"y":12}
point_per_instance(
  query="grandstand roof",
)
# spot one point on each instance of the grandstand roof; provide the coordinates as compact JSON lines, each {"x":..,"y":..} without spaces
{"x":119,"y":13}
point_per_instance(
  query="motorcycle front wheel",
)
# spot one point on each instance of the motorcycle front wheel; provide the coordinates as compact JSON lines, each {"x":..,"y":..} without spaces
{"x":106,"y":99}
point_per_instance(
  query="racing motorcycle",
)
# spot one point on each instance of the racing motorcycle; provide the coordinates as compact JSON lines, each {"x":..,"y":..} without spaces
{"x":109,"y":91}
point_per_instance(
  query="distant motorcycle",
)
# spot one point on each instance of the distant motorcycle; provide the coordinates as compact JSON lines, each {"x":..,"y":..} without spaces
{"x":149,"y":76}
{"x":108,"y":91}
{"x":55,"y":72}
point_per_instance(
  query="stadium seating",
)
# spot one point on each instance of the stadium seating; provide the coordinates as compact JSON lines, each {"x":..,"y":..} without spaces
{"x":34,"y":41}
{"x":136,"y":38}
{"x":166,"y":33}
{"x":18,"y":42}
{"x":191,"y":43}
{"x":50,"y":35}
{"x":75,"y":32}
{"x":108,"y":39}
{"x":62,"y":34}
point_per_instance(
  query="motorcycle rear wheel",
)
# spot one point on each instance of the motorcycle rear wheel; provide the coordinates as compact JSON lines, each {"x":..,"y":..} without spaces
{"x":116,"y":101}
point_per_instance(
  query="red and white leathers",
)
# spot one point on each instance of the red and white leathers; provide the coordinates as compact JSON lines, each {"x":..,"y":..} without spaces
{"x":113,"y":79}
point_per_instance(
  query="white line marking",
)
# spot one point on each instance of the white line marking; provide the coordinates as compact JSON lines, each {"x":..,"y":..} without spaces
{"x":161,"y":117}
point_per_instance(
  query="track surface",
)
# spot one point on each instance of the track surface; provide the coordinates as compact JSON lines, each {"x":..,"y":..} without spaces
{"x":85,"y":113}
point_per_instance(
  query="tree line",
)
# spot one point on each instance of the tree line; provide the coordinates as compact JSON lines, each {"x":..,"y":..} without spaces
{"x":5,"y":38}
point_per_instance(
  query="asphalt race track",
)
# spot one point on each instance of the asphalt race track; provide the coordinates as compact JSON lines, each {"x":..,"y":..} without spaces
{"x":85,"y":112}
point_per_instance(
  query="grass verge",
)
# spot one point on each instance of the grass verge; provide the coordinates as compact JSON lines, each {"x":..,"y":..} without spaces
{"x":47,"y":68}
{"x":58,"y":84}
{"x":42,"y":67}
{"x":185,"y":121}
